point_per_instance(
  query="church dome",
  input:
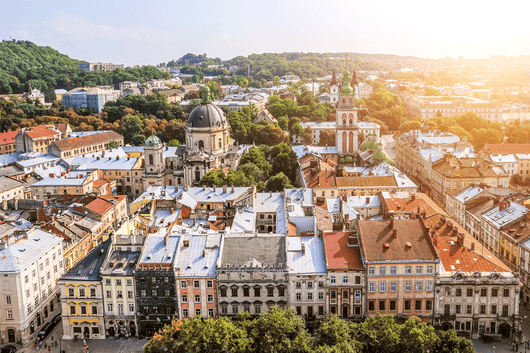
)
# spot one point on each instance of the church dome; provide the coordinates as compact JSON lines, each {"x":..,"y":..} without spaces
{"x":153,"y":141}
{"x":364,"y":145}
{"x":206,"y":115}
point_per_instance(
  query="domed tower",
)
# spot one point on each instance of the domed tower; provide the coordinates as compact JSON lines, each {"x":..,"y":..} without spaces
{"x":333,"y":89}
{"x":207,"y":128}
{"x":154,"y":166}
{"x":347,"y":130}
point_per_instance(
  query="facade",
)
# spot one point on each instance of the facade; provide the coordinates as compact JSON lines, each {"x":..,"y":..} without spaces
{"x":7,"y":142}
{"x":347,"y":133}
{"x":402,"y":264}
{"x":317,"y":127}
{"x":345,"y":286}
{"x":428,"y":106}
{"x":108,"y":209}
{"x":11,"y":189}
{"x":249,"y":279}
{"x":30,"y":264}
{"x":37,"y":138}
{"x":155,"y":282}
{"x":82,"y":297}
{"x":196,"y":275}
{"x":100,"y":66}
{"x":118,"y":287}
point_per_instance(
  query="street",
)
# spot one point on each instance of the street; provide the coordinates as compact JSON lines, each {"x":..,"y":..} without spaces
{"x":389,"y":145}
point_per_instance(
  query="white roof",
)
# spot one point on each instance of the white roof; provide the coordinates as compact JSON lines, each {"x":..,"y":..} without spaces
{"x":200,"y":257}
{"x":18,"y":256}
{"x":312,"y":261}
{"x":468,"y":193}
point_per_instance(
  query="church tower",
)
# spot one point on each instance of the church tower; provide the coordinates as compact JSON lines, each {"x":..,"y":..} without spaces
{"x":154,"y":164}
{"x":333,"y":89}
{"x":347,"y":130}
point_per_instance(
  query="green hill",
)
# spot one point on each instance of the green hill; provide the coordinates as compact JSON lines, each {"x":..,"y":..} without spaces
{"x":22,"y":63}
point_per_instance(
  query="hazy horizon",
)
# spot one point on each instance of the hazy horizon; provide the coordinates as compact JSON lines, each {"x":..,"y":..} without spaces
{"x":141,"y":33}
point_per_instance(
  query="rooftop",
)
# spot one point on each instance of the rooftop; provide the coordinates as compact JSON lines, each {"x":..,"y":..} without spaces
{"x":339,"y":255}
{"x":310,"y":260}
{"x":83,"y":141}
{"x":257,"y":252}
{"x":89,"y":268}
{"x":199,"y":258}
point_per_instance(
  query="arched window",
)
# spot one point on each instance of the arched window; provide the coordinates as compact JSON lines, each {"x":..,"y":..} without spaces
{"x":343,"y":122}
{"x":197,"y":174}
{"x":220,"y":142}
{"x":344,"y":142}
{"x":351,"y":122}
{"x":201,"y":144}
{"x":151,"y":159}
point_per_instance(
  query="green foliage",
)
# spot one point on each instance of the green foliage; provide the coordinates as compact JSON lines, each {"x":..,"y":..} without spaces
{"x":23,"y":63}
{"x":173,"y":143}
{"x":112,"y":144}
{"x":278,"y":182}
{"x":385,"y":106}
{"x":307,"y":106}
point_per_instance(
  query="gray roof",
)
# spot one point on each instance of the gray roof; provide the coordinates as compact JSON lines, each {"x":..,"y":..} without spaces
{"x":254,"y":252}
{"x":121,"y":263}
{"x":312,"y":261}
{"x":88,"y":269}
{"x":11,"y":170}
{"x":156,"y":251}
{"x":17,"y":257}
{"x":206,"y":115}
{"x":198,"y":259}
{"x":8,"y":183}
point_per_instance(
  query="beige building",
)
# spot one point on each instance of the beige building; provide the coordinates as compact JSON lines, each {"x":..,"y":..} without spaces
{"x":37,"y":138}
{"x":30,"y":264}
{"x":78,"y":146}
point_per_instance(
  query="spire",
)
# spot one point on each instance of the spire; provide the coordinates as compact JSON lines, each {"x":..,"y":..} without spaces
{"x":346,"y":61}
{"x":333,"y":81}
{"x":354,"y":81}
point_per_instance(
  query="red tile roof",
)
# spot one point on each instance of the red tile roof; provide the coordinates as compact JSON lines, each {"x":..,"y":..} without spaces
{"x":41,"y":131}
{"x":367,"y":181}
{"x":7,"y":138}
{"x":100,"y":183}
{"x":291,"y":229}
{"x":374,"y":235}
{"x":411,"y":204}
{"x":460,"y":256}
{"x":99,"y":206}
{"x":339,"y":255}
{"x":83,"y":141}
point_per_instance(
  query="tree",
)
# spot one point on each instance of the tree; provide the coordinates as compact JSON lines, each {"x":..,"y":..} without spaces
{"x":173,"y":143}
{"x":307,"y":136}
{"x":327,"y":138}
{"x":449,"y":342}
{"x":138,"y":140}
{"x":276,"y":80}
{"x":378,"y":334}
{"x":278,"y":182}
{"x":112,"y":144}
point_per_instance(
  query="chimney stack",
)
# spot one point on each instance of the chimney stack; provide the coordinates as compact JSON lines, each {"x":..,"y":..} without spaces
{"x":461,"y":238}
{"x":394,"y":233}
{"x":166,"y":239}
{"x":473,"y":246}
{"x":224,"y":189}
{"x":172,"y":210}
{"x":303,"y":249}
{"x":435,"y":241}
{"x":392,"y":221}
{"x":52,"y":175}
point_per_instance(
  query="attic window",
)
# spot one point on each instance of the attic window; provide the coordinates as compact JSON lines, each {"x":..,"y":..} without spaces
{"x":408,"y":245}
{"x":91,"y":272}
{"x":79,"y":272}
{"x":189,"y":265}
{"x":22,"y":250}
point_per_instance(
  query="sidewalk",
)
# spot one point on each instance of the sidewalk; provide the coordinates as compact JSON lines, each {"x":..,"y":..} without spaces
{"x":504,"y":346}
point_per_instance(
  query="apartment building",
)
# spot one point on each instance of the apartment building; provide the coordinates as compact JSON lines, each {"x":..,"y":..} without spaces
{"x":78,"y":146}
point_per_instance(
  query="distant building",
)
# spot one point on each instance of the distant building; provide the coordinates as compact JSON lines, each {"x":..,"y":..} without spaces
{"x":429,"y":106}
{"x":8,"y":142}
{"x":37,"y":138}
{"x":100,"y":66}
{"x":78,"y":146}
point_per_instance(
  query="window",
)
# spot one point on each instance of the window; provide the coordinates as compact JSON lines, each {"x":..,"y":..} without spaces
{"x":382,"y":287}
{"x":392,"y":286}
{"x":469,"y":309}
{"x":371,"y":270}
{"x":184,"y":298}
{"x":26,"y":279}
{"x":129,"y":282}
{"x":197,"y":312}
{"x":407,"y":305}
{"x":184,"y":312}
{"x":428,"y":286}
{"x":357,"y":279}
{"x":344,"y":279}
{"x":506,"y":292}
{"x":309,"y":284}
{"x":332,"y":294}
{"x":430,"y":269}
{"x":408,"y":269}
{"x":428,"y":304}
{"x":223,"y":292}
{"x":417,"y":305}
{"x":92,"y":292}
{"x":320,"y":296}
{"x":196,"y":284}
{"x":382,"y":270}
{"x":494,"y":309}
{"x":320,"y":284}
{"x":234,"y":309}
{"x":458,"y":292}
{"x":118,"y":282}
{"x":382,"y":305}
{"x":469,"y":292}
{"x":419,"y":286}
{"x":209,"y":284}
{"x":257,"y":308}
{"x":83,"y":310}
{"x":197,"y":299}
{"x":457,"y":308}
{"x":130,"y":294}
{"x":505,"y":310}
{"x":298,"y":285}
{"x":257,"y":292}
{"x":483,"y":292}
{"x":393,"y":271}
{"x":494,"y":292}
{"x":183,"y":284}
{"x":109,"y":307}
{"x":483,"y":309}
{"x":270,"y":292}
{"x":371,"y":287}
{"x":371,"y":305}
{"x":419,"y":269}
{"x":120,"y":294}
{"x":246,"y":292}
{"x":281,"y":291}
{"x":166,"y":279}
{"x":143,"y":293}
{"x":70,"y":291}
{"x":298,"y":296}
{"x":408,"y":286}
{"x":131,"y":308}
{"x":210,"y":298}
{"x":333,"y":280}
{"x":234,"y":292}
{"x":153,"y":280}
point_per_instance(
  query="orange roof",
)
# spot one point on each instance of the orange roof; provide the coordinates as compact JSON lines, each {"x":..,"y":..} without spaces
{"x":292,"y":229}
{"x":116,"y":198}
{"x":7,"y":138}
{"x":410,"y":204}
{"x":101,"y":205}
{"x":367,"y":181}
{"x":338,"y":254}
{"x":507,"y":148}
{"x":100,"y":183}
{"x":41,"y":131}
{"x":324,"y":219}
{"x":456,"y":256}
{"x":78,"y":142}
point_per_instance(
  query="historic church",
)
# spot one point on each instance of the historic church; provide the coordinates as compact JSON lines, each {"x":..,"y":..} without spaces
{"x":208,"y":147}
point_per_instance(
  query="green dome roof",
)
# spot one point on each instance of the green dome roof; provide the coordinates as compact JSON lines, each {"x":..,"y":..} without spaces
{"x":379,"y":155}
{"x":364,"y":145}
{"x":349,"y":159}
{"x":341,"y":160}
{"x":153,"y":141}
{"x":373,"y":146}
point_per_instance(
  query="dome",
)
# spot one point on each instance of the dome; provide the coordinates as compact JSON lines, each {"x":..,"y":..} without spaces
{"x":206,"y":115}
{"x":364,"y":145}
{"x":379,"y":155}
{"x":152,"y":141}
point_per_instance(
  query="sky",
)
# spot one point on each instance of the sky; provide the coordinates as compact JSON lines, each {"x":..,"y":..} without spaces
{"x":142,"y":32}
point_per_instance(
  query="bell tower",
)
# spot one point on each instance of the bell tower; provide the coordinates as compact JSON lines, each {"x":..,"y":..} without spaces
{"x":347,"y":130}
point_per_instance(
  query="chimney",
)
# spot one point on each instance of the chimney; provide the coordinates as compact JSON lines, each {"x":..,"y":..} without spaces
{"x":346,"y":218}
{"x":186,"y":243}
{"x":408,"y":245}
{"x":172,"y":210}
{"x":391,"y":222}
{"x":52,"y":175}
{"x":413,"y":196}
{"x":233,"y":190}
{"x":473,"y":246}
{"x":103,"y":153}
{"x":166,"y":239}
{"x":386,"y":246}
{"x":185,"y":187}
{"x":117,"y":158}
{"x":63,"y":173}
{"x":98,"y":158}
{"x":394,"y":233}
{"x":214,"y":188}
{"x":110,"y":158}
{"x":461,"y":238}
{"x":303,"y":249}
{"x":435,"y":241}
{"x":203,"y":252}
{"x":503,"y":205}
{"x":455,"y":231}
{"x":224,"y":189}
{"x":368,"y":200}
